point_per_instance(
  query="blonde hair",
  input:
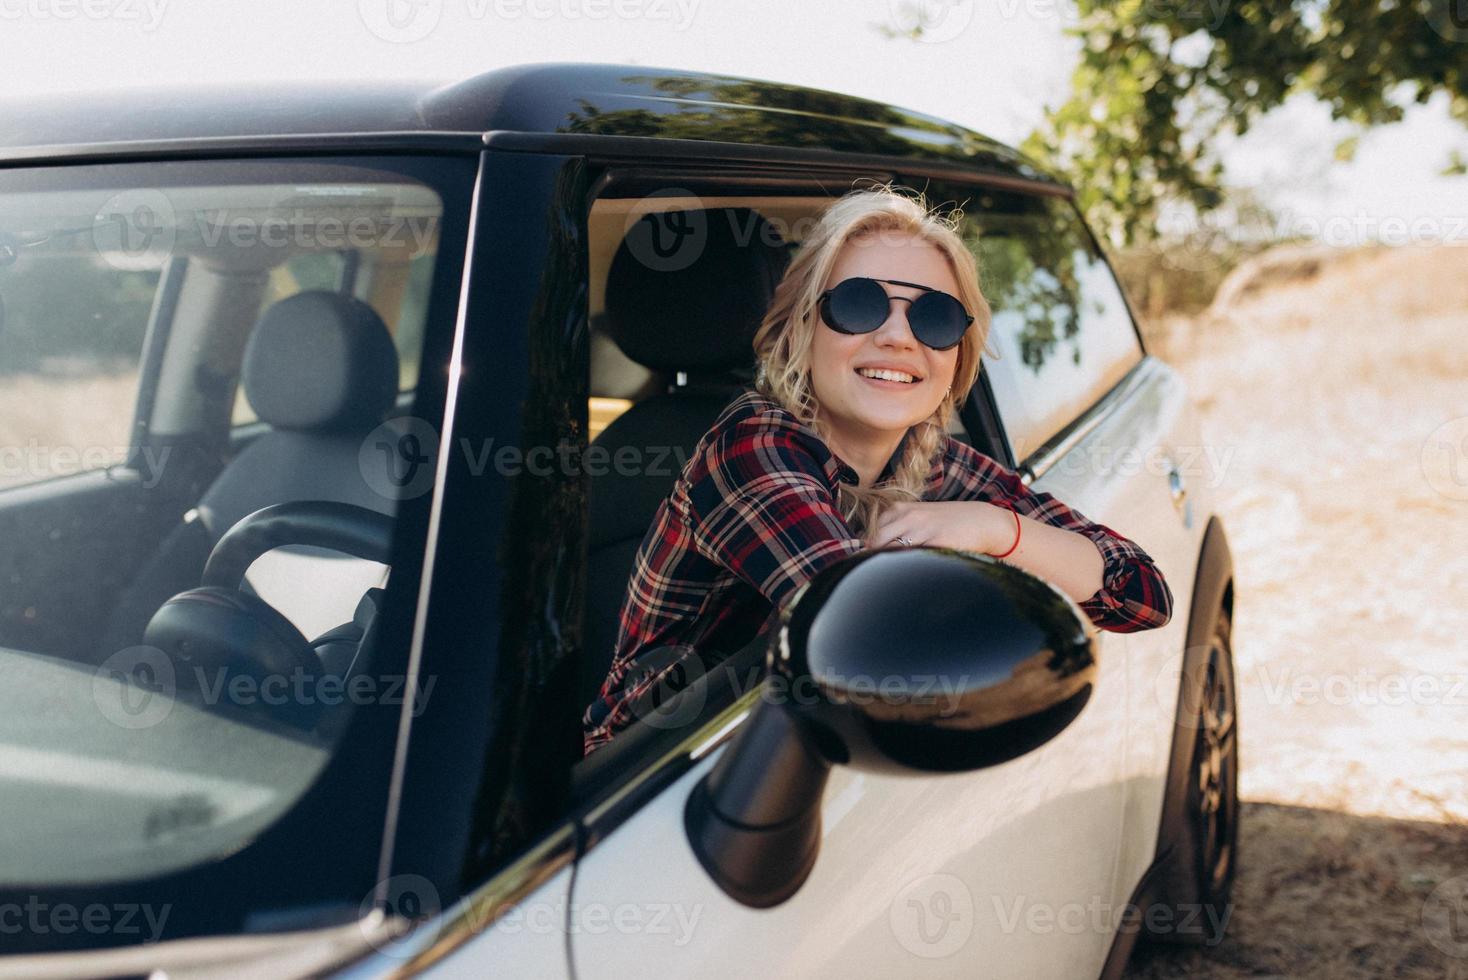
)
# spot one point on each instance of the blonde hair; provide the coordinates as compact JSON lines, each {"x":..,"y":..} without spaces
{"x":782,"y":345}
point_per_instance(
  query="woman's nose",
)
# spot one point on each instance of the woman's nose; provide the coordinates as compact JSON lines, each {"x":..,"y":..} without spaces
{"x":895,"y":330}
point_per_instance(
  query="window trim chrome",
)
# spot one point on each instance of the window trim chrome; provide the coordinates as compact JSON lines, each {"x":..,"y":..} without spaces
{"x":1037,"y":463}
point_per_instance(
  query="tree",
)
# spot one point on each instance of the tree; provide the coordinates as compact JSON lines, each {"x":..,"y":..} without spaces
{"x":1159,"y":79}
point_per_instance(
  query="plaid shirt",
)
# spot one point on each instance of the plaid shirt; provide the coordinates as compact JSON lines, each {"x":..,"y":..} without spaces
{"x":753,"y":516}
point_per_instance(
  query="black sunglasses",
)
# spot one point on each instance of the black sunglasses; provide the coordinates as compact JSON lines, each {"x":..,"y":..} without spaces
{"x":861,"y":305}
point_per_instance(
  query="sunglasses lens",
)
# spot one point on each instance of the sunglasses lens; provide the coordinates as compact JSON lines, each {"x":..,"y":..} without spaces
{"x":855,"y":306}
{"x":938,"y":320}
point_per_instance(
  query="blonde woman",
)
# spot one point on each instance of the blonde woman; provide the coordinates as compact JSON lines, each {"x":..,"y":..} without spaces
{"x":871,"y":342}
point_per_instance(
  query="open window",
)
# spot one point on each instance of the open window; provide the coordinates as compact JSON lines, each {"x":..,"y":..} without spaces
{"x":678,"y":282}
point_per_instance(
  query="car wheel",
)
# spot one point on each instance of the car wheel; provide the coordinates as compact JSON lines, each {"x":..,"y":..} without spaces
{"x":1200,"y":889}
{"x":1214,"y":794}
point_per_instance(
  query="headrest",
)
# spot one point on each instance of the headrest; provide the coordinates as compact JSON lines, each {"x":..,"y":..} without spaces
{"x":320,"y":360}
{"x":687,"y":289}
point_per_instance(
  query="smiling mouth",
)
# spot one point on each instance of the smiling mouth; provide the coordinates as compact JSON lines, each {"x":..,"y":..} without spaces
{"x":882,"y":374}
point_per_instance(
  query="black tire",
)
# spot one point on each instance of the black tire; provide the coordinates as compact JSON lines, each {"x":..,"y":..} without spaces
{"x":1215,"y":788}
{"x":1207,"y":858}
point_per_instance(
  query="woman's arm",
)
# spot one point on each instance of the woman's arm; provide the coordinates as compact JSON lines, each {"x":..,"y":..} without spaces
{"x":1115,"y":582}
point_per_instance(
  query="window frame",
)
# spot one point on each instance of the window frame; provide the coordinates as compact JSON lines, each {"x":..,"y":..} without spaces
{"x":621,"y":777}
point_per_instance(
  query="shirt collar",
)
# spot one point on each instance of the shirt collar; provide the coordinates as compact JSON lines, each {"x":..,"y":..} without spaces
{"x":840,"y":471}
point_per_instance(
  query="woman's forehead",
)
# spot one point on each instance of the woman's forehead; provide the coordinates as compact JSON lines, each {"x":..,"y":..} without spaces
{"x":894,"y":255}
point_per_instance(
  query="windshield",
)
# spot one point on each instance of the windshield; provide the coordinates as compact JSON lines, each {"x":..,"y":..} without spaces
{"x":208,"y":433}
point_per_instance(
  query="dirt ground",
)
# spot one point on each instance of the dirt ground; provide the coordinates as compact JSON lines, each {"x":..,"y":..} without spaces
{"x":1338,"y":381}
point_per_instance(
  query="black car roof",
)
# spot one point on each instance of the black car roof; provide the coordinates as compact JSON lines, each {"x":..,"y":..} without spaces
{"x":555,"y":99}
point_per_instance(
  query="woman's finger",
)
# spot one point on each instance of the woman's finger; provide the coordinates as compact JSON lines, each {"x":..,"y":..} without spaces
{"x":888,"y":531}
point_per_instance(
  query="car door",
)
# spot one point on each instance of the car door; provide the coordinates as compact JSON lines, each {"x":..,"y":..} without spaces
{"x":1010,"y":871}
{"x":1102,"y":426}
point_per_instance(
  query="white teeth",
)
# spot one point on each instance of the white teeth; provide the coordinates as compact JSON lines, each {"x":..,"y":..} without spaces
{"x":885,"y":375}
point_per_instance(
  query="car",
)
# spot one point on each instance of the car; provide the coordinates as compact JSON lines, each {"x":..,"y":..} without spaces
{"x":333,"y":416}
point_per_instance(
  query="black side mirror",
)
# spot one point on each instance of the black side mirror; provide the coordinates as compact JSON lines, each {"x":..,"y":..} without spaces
{"x":919,"y":660}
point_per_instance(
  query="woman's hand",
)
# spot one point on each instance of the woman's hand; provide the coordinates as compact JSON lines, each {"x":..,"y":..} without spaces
{"x":1068,"y":559}
{"x":971,"y":525}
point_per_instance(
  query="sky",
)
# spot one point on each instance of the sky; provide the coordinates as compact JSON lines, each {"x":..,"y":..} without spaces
{"x":992,"y":65}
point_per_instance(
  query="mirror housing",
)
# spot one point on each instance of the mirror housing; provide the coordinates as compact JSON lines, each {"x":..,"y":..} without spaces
{"x":919,"y":660}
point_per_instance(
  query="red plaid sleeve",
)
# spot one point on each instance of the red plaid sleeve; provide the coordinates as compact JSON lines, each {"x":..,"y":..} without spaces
{"x":1133,"y":595}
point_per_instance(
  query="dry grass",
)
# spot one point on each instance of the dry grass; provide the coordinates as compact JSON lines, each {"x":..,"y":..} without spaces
{"x":52,"y":426}
{"x":1327,"y":385}
{"x":1329,"y":895}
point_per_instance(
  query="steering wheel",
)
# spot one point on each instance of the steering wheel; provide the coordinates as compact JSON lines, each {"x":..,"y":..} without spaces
{"x":216,"y":630}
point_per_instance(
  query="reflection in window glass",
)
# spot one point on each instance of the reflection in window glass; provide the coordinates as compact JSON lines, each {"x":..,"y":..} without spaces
{"x":1060,"y":327}
{"x":71,"y":332}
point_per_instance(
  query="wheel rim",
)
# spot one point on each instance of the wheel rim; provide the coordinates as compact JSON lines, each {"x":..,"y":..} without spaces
{"x":1214,"y":771}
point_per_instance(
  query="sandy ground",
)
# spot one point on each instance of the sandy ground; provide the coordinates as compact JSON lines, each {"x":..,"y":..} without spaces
{"x":1340,"y":386}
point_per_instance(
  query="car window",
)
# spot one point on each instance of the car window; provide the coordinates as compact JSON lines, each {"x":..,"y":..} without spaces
{"x":149,"y":741}
{"x":71,"y":334}
{"x":1061,"y":329}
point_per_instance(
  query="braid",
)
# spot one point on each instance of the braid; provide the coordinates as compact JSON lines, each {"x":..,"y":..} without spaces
{"x":863,"y":506}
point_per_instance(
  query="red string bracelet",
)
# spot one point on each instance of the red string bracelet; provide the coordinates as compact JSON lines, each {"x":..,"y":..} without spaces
{"x":1017,"y":531}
